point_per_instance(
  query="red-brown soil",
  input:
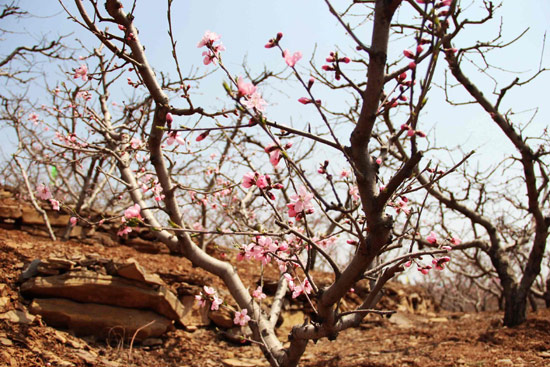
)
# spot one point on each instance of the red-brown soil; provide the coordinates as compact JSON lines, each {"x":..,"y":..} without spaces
{"x":445,"y":339}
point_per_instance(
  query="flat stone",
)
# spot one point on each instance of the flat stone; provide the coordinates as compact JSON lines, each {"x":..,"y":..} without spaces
{"x":10,"y":211}
{"x":505,"y":362}
{"x":132,"y":270}
{"x":4,"y":301}
{"x":17,"y":316}
{"x":438,"y":319}
{"x":91,"y":287}
{"x":100,"y":320}
{"x":221,"y":318}
{"x":6,"y":342}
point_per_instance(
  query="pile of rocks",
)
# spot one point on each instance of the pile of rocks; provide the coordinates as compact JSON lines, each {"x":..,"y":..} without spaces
{"x":17,"y":214}
{"x":92,"y":296}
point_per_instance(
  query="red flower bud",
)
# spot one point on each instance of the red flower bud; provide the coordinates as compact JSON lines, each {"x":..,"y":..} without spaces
{"x":408,"y":53}
{"x":203,"y":135}
{"x":169,"y":117}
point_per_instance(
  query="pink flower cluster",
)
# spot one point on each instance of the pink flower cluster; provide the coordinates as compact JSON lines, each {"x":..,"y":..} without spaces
{"x":275,"y":152}
{"x":335,"y":61}
{"x":44,"y":193}
{"x":81,"y":72}
{"x":438,"y":263}
{"x":254,"y":178}
{"x":213,"y":52}
{"x":297,"y":288}
{"x":253,"y":99}
{"x":241,"y":317}
{"x":401,"y":205}
{"x":209,"y":296}
{"x":274,"y":41}
{"x":131,"y":215}
{"x":261,"y":249}
{"x":291,"y":60}
{"x":259,"y":294}
{"x":412,"y":132}
{"x":301,"y":204}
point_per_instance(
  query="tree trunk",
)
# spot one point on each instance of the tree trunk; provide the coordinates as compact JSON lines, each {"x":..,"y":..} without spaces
{"x":547,"y":293}
{"x":515,"y":308}
{"x":533,"y":302}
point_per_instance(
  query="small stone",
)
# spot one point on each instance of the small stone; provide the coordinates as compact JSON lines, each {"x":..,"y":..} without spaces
{"x":151,"y":342}
{"x":6,"y":342}
{"x":17,"y":316}
{"x":505,"y":362}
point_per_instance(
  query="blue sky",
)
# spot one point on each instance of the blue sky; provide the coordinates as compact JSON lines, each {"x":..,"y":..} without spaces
{"x":246,"y":25}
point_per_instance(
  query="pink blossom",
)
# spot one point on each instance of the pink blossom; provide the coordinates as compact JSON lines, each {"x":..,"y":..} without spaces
{"x":412,"y":65}
{"x":81,"y":72}
{"x":254,"y":178}
{"x":291,"y":60}
{"x":174,"y":136}
{"x":133,"y":212}
{"x":410,"y":132}
{"x":43,"y":192}
{"x":456,"y":241}
{"x":291,"y":210}
{"x":301,"y":202}
{"x":354,"y":192}
{"x":258,"y":293}
{"x":424,"y":269}
{"x":200,"y":300}
{"x":344,"y":173}
{"x":255,"y":101}
{"x":261,"y":182}
{"x":208,"y":39}
{"x":123,"y":231}
{"x":157,"y":192}
{"x":73,"y":221}
{"x":440,"y":263}
{"x":55,"y":204}
{"x":275,"y":152}
{"x":275,"y":157}
{"x":135,"y":143}
{"x":209,"y":57}
{"x":216,"y":302}
{"x":241,"y":317}
{"x":297,"y":290}
{"x":432,"y":238}
{"x":33,"y":116}
{"x":209,"y":290}
{"x":304,"y":100}
{"x":245,"y":89}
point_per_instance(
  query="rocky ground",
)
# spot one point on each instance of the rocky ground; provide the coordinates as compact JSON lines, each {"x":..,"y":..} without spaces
{"x":422,"y":338}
